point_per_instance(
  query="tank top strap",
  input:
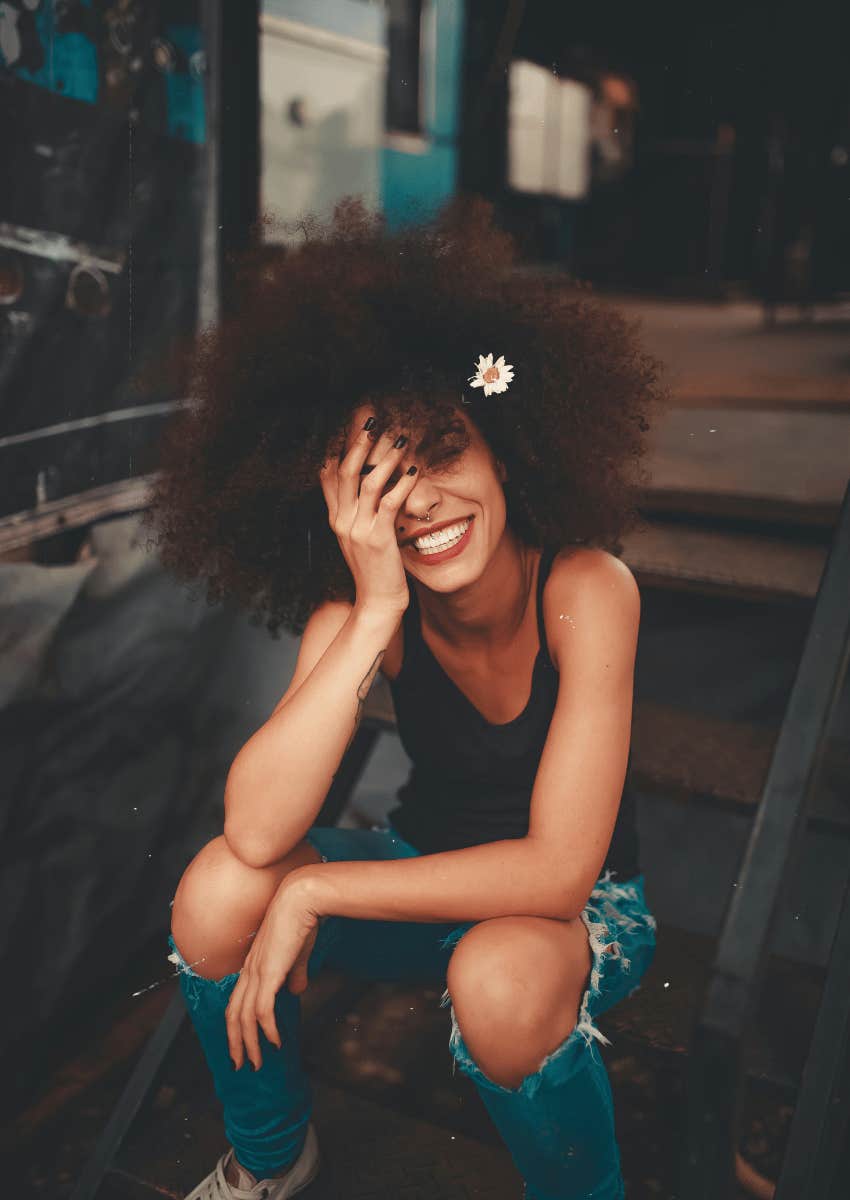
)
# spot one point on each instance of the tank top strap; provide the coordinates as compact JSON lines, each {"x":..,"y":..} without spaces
{"x":412,"y":627}
{"x":546,"y":560}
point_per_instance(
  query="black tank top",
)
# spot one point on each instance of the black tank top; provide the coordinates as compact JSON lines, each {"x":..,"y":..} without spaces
{"x":471,"y":781}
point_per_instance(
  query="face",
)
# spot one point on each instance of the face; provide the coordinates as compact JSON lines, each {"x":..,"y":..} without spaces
{"x":466,"y":503}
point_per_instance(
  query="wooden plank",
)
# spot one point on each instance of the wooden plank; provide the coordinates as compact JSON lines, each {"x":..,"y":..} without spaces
{"x":723,"y":563}
{"x":72,"y":512}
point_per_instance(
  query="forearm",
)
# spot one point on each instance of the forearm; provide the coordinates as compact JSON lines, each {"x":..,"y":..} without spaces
{"x":496,"y":879}
{"x":279,"y":779}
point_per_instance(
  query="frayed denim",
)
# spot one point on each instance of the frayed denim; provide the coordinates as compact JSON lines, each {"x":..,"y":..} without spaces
{"x":558,"y":1124}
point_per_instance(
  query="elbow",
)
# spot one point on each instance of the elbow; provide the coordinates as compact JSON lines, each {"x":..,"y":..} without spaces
{"x":245,"y":846}
{"x":572,"y":909}
{"x":240,"y":833}
{"x":574,"y":900}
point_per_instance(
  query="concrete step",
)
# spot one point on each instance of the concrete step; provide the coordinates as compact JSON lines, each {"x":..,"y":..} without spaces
{"x":686,"y":755}
{"x":660,"y":1014}
{"x":368,"y":1151}
{"x":393,"y":1119}
{"x":719,"y":562}
{"x":788,"y":467}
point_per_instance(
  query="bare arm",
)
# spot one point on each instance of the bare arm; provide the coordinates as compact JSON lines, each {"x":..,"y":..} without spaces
{"x":279,"y":779}
{"x":576,"y":794}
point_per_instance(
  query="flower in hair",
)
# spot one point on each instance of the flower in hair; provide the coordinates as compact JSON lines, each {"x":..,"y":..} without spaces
{"x":493,"y":377}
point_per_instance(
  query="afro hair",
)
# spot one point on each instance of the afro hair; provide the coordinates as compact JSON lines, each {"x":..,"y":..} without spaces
{"x":353,"y":313}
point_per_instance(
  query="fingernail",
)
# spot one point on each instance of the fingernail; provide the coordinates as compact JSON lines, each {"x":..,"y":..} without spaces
{"x":411,"y":470}
{"x":370,"y":424}
{"x":400,"y":441}
{"x":233,"y":1065}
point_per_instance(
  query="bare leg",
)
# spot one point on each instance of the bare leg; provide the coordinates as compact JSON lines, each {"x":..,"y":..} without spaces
{"x":220,"y":902}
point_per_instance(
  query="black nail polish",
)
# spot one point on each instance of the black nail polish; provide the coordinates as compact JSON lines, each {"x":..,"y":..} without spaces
{"x":411,"y":470}
{"x":233,"y":1065}
{"x":370,"y":423}
{"x":400,"y":441}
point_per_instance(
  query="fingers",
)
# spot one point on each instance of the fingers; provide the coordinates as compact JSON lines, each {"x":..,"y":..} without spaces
{"x":356,"y":489}
{"x":232,"y":1020}
{"x":380,"y":482}
{"x":251,"y":1003}
{"x":392,"y":500}
{"x":264,"y":1011}
{"x":248,"y":1023}
{"x":298,"y":978}
{"x":348,"y":478}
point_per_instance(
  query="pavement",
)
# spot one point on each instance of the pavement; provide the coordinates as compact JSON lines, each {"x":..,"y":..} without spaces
{"x":724,"y":355}
{"x":758,"y":421}
{"x":759,"y":417}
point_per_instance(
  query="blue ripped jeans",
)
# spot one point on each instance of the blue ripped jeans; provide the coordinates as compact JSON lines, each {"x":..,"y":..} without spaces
{"x":558,"y":1123}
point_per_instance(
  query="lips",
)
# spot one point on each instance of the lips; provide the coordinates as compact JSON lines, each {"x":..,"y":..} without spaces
{"x":434,"y":557}
{"x":408,"y":541}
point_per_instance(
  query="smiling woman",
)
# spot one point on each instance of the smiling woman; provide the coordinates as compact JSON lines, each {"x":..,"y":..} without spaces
{"x":357,"y":315}
{"x":454,"y":520}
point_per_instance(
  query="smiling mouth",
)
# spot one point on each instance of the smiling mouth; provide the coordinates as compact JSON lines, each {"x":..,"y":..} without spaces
{"x":444,"y":539}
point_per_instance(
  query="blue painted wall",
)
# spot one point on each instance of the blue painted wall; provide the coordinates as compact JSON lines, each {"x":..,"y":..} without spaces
{"x":413,"y":184}
{"x":70,"y":69}
{"x":429,"y":178}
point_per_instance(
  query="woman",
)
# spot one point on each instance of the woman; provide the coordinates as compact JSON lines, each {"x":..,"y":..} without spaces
{"x":450,"y":532}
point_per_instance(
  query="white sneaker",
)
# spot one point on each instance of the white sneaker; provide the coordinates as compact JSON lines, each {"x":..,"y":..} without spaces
{"x":304,"y":1171}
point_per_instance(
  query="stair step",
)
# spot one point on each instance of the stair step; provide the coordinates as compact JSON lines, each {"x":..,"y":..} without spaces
{"x":686,"y":755}
{"x":660,"y":1015}
{"x":718,"y":562}
{"x":692,"y":756}
{"x":788,"y":467}
{"x":368,"y":1150}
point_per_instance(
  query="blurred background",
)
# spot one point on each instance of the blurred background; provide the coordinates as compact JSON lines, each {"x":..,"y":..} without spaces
{"x":693,"y":165}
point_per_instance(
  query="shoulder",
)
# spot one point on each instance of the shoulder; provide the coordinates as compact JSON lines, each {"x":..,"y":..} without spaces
{"x":590,"y":594}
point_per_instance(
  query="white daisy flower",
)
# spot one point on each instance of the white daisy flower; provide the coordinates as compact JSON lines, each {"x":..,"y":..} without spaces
{"x":493,"y":377}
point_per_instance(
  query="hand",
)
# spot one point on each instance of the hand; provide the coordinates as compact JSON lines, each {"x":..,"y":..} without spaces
{"x":362,"y":512}
{"x":280,"y":952}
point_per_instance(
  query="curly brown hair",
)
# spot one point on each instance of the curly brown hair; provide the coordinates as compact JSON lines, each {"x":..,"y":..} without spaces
{"x":351,"y":314}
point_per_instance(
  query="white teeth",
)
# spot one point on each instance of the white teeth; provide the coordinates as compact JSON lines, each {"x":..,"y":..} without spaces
{"x":432,"y":543}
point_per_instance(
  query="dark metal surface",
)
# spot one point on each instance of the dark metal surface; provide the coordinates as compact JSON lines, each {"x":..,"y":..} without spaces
{"x":717,"y":1045}
{"x":131,"y":1099}
{"x":820,"y":1125}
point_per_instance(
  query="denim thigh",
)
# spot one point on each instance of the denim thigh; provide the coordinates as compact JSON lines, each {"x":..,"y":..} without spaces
{"x":385,"y":950}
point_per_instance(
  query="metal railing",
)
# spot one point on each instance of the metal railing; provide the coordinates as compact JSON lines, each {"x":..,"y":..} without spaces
{"x":715,"y":1066}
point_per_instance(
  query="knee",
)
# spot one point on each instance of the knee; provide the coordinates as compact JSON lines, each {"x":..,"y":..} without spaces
{"x":218,"y":903}
{"x":492,"y":992}
{"x":510,"y":1017}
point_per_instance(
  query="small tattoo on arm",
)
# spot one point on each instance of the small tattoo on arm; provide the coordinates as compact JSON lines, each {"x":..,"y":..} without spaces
{"x":362,"y":692}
